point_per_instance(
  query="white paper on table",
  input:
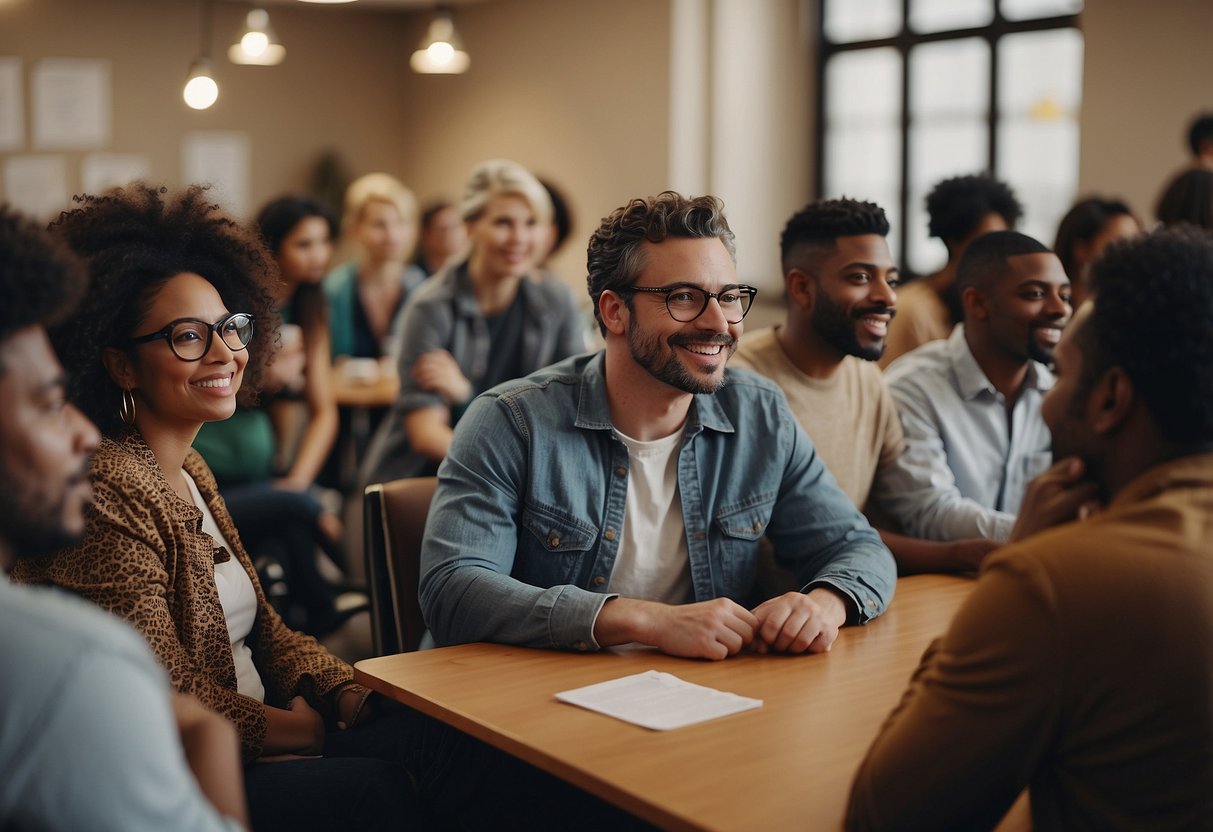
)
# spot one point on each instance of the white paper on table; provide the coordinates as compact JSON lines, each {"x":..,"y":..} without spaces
{"x":656,"y":700}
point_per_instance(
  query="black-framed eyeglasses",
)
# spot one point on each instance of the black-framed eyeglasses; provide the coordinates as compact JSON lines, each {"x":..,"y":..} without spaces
{"x":686,"y":301}
{"x":190,"y":339}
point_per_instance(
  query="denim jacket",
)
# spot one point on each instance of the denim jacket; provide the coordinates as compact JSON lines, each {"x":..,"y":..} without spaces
{"x":523,"y":531}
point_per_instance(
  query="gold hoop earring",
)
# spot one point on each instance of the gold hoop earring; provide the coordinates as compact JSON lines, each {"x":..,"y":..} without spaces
{"x":126,"y":409}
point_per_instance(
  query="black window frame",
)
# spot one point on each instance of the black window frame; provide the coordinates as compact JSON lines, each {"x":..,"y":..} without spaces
{"x":905,"y":40}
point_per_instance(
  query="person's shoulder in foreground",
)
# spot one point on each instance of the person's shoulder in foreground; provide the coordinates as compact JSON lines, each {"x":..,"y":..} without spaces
{"x":1079,"y":667}
{"x":550,"y":467}
{"x":86,"y":729}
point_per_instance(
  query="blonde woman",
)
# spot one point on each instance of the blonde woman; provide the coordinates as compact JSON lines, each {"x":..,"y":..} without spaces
{"x":365,"y":294}
{"x":483,"y":319}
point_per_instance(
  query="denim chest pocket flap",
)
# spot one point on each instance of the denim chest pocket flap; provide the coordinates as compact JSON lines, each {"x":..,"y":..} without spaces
{"x":746,"y":521}
{"x":558,"y":532}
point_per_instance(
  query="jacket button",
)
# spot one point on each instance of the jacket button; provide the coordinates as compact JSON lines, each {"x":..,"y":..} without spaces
{"x":757,"y":526}
{"x":621,"y":471}
{"x":599,"y":580}
{"x":871,"y":604}
{"x":553,"y":540}
{"x":699,"y":536}
{"x":609,"y":534}
{"x":582,"y":646}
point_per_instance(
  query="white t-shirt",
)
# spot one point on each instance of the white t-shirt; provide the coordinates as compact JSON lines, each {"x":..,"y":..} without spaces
{"x":653,"y":563}
{"x":239,"y":601}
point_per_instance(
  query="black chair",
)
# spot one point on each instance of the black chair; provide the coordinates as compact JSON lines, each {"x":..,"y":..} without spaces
{"x":395,"y":515}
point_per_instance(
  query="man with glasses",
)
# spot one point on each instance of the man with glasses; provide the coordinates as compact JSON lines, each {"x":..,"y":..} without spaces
{"x":621,"y":496}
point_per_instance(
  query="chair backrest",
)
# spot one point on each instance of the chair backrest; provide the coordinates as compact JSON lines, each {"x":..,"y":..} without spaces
{"x":395,"y":515}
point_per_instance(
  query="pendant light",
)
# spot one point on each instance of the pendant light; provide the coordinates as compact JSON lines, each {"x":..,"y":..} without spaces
{"x":441,"y":51}
{"x":201,"y":91}
{"x":258,"y":45}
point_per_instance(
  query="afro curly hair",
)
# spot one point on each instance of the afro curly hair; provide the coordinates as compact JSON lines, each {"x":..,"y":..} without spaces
{"x":956,"y":206}
{"x":133,"y":240}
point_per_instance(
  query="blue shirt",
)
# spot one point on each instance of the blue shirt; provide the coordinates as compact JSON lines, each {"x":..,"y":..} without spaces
{"x":966,"y":463}
{"x":87,"y":736}
{"x":524,"y":527}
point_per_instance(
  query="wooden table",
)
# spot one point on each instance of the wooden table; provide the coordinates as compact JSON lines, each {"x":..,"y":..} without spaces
{"x":786,"y":765}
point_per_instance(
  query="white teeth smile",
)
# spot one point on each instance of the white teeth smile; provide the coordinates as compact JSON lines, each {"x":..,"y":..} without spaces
{"x":705,"y":349}
{"x":214,"y":382}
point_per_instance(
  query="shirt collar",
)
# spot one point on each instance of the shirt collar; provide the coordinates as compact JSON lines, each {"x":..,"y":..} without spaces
{"x":971,"y":381}
{"x":1187,"y":471}
{"x":594,"y":410}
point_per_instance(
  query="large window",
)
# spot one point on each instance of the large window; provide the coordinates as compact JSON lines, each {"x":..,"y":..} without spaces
{"x":915,"y":91}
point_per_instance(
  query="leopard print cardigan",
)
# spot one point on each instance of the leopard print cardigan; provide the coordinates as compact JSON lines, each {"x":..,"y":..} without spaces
{"x":145,"y":558}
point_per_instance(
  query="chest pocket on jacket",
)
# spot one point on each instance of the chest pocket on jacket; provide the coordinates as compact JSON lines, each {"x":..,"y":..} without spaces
{"x":741,"y":528}
{"x":560,"y":546}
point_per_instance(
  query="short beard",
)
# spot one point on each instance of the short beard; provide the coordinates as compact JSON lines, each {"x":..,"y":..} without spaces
{"x":665,"y":367}
{"x":32,"y":531}
{"x":836,"y":327}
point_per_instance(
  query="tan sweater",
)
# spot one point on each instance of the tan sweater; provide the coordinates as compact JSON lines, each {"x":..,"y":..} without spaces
{"x":850,"y":416}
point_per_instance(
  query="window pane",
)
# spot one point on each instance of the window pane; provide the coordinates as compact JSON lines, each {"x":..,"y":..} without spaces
{"x":847,"y":21}
{"x":1028,"y":9}
{"x":942,"y":15}
{"x":1040,"y":160}
{"x":939,"y":150}
{"x":950,"y":78}
{"x":1040,"y":74}
{"x":862,"y":146}
{"x":1040,"y":91}
{"x":863,"y":87}
{"x":949,"y":131}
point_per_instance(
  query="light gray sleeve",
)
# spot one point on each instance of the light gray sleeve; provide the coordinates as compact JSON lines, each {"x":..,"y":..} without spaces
{"x":108,"y":756}
{"x":919,"y":490}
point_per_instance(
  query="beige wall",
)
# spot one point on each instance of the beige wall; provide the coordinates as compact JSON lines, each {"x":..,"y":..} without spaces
{"x":341,"y":85}
{"x":579,"y":91}
{"x":1148,"y":69}
{"x":575,"y":91}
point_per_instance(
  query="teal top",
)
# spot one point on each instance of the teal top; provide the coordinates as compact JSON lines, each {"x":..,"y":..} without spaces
{"x":350,"y":333}
{"x":240,"y":449}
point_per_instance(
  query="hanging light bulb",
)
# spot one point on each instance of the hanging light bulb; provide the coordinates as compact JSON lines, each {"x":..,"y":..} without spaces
{"x":441,"y":51}
{"x":257,"y":45}
{"x":201,"y":91}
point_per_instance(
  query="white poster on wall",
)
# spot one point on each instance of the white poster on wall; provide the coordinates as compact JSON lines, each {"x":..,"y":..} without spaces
{"x":36,"y":185}
{"x":12,"y":106}
{"x":71,"y":104}
{"x":220,"y":159}
{"x":102,"y":171}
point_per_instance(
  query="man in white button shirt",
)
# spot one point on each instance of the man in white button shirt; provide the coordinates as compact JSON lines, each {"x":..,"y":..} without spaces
{"x":970,"y":405}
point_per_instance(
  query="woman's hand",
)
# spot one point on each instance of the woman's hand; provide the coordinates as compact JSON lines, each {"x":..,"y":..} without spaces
{"x":353,"y":707}
{"x":299,"y":729}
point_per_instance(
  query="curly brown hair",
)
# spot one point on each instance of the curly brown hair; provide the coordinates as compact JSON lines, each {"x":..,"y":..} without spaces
{"x":616,"y":255}
{"x":39,"y":278}
{"x":133,"y":240}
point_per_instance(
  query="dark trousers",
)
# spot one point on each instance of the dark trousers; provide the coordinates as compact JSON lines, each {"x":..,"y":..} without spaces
{"x":404,"y":770}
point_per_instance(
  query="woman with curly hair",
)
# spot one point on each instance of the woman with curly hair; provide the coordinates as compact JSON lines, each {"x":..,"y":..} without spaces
{"x":175,"y":327}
